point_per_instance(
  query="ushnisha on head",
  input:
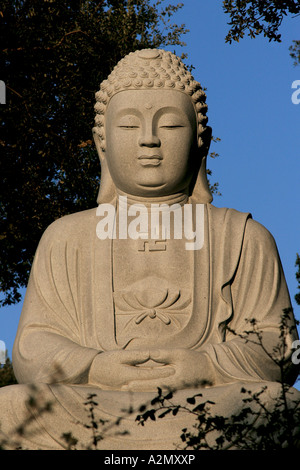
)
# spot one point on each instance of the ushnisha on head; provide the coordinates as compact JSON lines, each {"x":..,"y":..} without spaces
{"x":150,"y":69}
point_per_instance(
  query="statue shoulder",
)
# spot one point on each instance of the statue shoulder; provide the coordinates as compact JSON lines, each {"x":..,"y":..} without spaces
{"x":233,"y":222}
{"x":71,"y":227}
{"x":222,"y":212}
{"x":223,"y":217}
{"x":257,"y":233}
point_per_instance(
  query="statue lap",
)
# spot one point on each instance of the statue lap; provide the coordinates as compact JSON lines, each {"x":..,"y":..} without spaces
{"x":70,"y":414}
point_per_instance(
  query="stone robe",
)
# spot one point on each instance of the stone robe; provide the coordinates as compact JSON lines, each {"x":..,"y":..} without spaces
{"x":68,"y":319}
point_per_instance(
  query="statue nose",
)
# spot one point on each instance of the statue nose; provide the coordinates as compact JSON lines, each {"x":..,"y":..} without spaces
{"x":149,"y":140}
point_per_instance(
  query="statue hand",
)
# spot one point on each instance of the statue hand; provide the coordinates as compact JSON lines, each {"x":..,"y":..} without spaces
{"x":191,"y":369}
{"x":116,"y":369}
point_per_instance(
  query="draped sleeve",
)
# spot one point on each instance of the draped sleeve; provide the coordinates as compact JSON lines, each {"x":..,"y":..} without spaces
{"x":256,"y":297}
{"x":49,"y":345}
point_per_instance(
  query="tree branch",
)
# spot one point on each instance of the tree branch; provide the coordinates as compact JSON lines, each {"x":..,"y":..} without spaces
{"x":49,"y":47}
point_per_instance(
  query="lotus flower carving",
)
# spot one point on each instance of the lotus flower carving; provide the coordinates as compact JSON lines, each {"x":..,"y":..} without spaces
{"x":153,"y":303}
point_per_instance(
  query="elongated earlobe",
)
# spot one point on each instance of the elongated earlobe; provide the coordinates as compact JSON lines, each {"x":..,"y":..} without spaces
{"x":200,"y":189}
{"x":107,"y":191}
{"x":204,"y":145}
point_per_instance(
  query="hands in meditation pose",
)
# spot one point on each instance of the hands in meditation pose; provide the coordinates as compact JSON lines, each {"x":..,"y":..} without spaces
{"x":172,"y":369}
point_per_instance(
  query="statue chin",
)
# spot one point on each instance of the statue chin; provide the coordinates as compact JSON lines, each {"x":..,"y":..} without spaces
{"x":154,"y":291}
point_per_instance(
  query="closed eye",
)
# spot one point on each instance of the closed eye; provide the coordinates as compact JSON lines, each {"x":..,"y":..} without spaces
{"x":171,"y":120}
{"x":128,"y":122}
{"x":171,"y":126}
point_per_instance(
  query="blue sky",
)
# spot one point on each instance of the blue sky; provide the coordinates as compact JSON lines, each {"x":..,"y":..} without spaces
{"x":249,"y":89}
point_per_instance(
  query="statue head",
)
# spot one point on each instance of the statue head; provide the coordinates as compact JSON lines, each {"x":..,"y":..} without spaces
{"x":158,"y":82}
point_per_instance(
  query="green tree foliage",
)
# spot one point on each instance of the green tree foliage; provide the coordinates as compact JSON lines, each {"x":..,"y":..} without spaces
{"x":7,"y":376}
{"x":295,"y":52}
{"x":53,"y":56}
{"x":257,"y":17}
{"x":277,"y":429}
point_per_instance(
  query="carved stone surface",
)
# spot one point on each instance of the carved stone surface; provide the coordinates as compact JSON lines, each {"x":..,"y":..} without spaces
{"x":155,"y":286}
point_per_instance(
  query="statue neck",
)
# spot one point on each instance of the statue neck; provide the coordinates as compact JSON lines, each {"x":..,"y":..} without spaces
{"x":178,"y":198}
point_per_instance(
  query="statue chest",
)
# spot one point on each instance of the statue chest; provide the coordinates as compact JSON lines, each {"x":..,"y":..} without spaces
{"x":152,"y":290}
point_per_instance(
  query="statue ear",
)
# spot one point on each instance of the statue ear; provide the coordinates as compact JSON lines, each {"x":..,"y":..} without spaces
{"x":199,"y":188}
{"x":205,"y":141}
{"x":107,"y":191}
{"x":97,"y":140}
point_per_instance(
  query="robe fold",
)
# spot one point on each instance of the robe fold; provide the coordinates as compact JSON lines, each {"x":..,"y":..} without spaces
{"x":68,"y":319}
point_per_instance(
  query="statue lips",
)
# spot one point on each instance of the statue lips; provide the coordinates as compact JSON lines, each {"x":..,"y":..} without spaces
{"x":150,"y":160}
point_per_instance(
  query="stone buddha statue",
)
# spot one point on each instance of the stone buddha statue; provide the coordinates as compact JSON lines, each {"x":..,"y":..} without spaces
{"x":154,"y":288}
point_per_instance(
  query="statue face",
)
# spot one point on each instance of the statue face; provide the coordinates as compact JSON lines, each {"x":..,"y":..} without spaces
{"x":150,"y":141}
